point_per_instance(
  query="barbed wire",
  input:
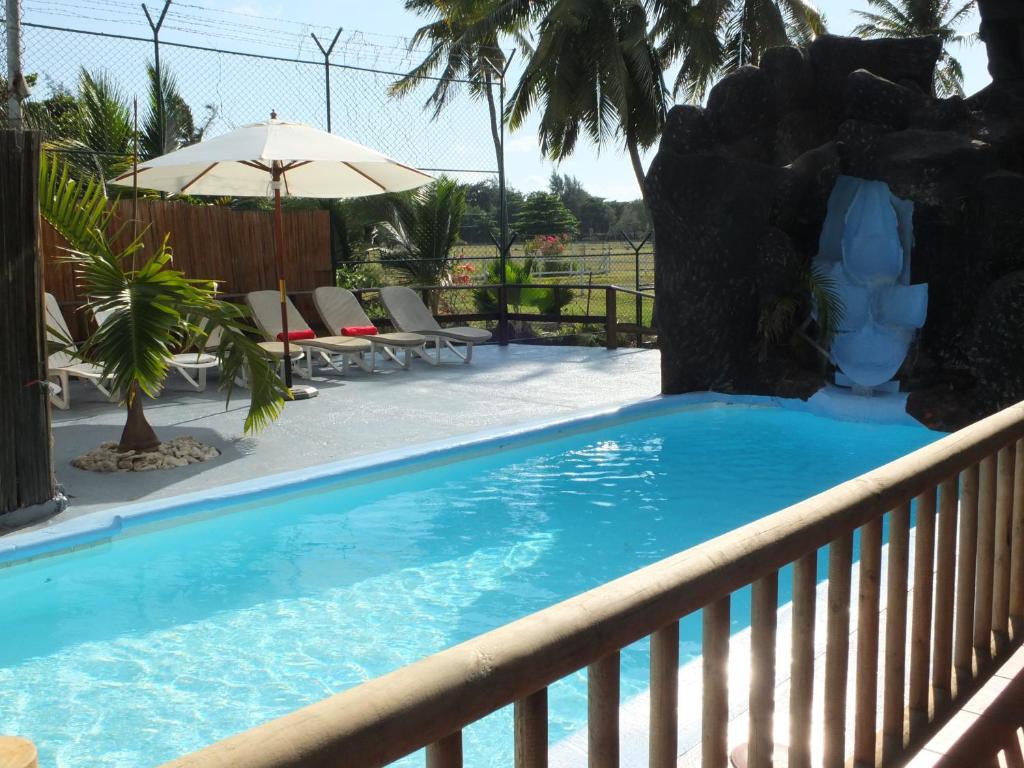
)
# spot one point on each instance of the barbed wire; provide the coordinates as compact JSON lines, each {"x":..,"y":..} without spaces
{"x":225,"y":88}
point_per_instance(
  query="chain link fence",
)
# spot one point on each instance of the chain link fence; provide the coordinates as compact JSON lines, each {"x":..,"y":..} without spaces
{"x":222,"y":89}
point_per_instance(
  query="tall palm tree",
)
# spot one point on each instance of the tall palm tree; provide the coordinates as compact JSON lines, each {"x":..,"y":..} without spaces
{"x":913,"y":18}
{"x":594,"y":71}
{"x":459,"y":52}
{"x":715,"y":37}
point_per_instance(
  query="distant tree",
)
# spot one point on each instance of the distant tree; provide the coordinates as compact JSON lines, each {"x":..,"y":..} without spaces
{"x":544,"y":213}
{"x":630,"y":217}
{"x":914,"y":18}
{"x":593,"y":213}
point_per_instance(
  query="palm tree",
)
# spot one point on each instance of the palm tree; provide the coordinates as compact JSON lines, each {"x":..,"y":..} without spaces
{"x":460,"y":52}
{"x":418,"y":230}
{"x":179,"y":123}
{"x":594,"y":71}
{"x":914,"y":18}
{"x":154,"y":310}
{"x":716,"y":37}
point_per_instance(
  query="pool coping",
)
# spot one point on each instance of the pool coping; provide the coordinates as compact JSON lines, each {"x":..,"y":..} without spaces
{"x":104,"y":525}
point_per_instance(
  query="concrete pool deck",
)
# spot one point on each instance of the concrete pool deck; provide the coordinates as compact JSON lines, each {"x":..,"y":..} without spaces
{"x":358,"y":415}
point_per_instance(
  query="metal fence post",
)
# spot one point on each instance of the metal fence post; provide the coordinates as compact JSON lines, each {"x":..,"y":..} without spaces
{"x":639,"y":298}
{"x":161,"y":118}
{"x":327,"y":69}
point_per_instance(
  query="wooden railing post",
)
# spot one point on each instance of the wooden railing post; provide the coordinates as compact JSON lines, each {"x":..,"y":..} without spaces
{"x":1002,"y":558}
{"x":921,"y":618}
{"x":531,"y":730}
{"x":801,"y":689}
{"x":837,"y":652}
{"x":715,"y":705}
{"x":1017,"y":546}
{"x":603,"y":712}
{"x":446,"y":753}
{"x":611,"y":318}
{"x":963,"y":632}
{"x":664,"y":696}
{"x":945,"y":574}
{"x":866,"y":692}
{"x":985,"y":569}
{"x":894,"y":675}
{"x":763,"y":620}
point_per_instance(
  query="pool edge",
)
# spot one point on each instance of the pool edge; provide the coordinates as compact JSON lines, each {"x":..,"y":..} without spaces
{"x":104,"y":525}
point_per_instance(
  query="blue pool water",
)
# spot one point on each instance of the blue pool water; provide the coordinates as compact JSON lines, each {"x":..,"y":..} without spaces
{"x":133,"y":652}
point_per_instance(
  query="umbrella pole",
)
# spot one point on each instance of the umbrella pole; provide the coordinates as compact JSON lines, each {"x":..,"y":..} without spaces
{"x":303,"y":392}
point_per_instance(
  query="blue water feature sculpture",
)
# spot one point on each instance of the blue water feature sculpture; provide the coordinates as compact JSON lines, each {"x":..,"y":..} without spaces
{"x":865,"y":247}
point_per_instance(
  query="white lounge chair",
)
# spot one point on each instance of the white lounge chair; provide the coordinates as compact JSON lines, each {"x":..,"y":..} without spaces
{"x":336,"y":351}
{"x":340,"y":309}
{"x":65,"y":364}
{"x":191,"y":365}
{"x":410,"y":314}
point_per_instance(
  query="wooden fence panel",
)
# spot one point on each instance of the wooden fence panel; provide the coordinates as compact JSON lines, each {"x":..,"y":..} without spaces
{"x":235,"y":248}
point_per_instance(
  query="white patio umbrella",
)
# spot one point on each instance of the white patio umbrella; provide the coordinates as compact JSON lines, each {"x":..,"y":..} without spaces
{"x":290,"y":158}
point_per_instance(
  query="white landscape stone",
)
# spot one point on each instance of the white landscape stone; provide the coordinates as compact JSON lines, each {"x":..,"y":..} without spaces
{"x":179,"y":452}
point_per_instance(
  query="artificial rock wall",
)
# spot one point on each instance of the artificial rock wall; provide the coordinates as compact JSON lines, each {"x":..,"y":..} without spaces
{"x":738,"y":193}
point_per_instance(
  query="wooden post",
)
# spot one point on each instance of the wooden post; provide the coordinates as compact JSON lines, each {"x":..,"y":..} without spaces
{"x":715,"y":720}
{"x":603,"y":712}
{"x":894,"y":676}
{"x":801,"y":689}
{"x":866,"y":686}
{"x":611,"y":319}
{"x":446,"y":753}
{"x":1001,"y":563}
{"x":985,"y":568}
{"x":1017,"y":545}
{"x":763,"y":612}
{"x":837,"y":650}
{"x":921,"y":618}
{"x":531,"y":729}
{"x":16,"y":752}
{"x":963,"y":631}
{"x":26,"y":464}
{"x":664,"y":696}
{"x":945,"y":574}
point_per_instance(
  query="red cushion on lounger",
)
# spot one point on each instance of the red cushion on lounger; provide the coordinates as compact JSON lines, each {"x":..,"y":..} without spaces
{"x":297,"y":335}
{"x":359,"y":330}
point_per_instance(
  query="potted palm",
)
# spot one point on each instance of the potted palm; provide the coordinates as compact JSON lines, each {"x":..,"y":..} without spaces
{"x":152,"y":310}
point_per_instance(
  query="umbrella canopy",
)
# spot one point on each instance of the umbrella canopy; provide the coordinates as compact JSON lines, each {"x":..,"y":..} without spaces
{"x":313,"y":164}
{"x":292,"y":159}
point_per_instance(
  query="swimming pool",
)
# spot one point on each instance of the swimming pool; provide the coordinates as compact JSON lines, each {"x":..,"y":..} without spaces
{"x":137,"y":650}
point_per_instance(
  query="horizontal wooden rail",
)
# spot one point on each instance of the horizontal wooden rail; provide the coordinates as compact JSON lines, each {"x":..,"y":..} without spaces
{"x":426,"y":704}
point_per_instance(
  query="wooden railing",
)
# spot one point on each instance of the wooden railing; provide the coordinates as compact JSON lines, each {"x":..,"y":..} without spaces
{"x":966,"y":613}
{"x":608,"y":319}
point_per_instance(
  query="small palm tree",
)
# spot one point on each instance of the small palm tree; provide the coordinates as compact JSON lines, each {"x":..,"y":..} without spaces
{"x":418,"y":230}
{"x":154,"y":310}
{"x":594,"y":71}
{"x":914,"y":18}
{"x":716,"y":37}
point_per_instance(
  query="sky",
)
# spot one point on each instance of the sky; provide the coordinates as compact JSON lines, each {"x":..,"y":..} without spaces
{"x":603,"y":171}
